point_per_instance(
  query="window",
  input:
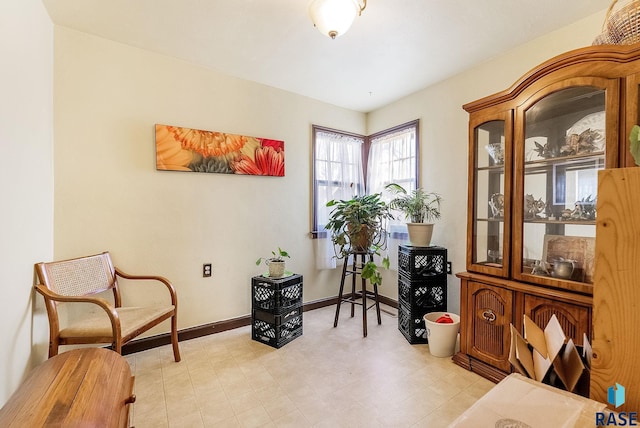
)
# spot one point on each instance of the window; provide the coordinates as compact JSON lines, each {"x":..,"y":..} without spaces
{"x":392,"y":158}
{"x":341,"y":160}
{"x":337,"y":171}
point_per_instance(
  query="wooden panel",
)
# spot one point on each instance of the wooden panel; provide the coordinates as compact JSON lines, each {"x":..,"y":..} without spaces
{"x":491,"y":312}
{"x":616,"y":318}
{"x":575,"y":320}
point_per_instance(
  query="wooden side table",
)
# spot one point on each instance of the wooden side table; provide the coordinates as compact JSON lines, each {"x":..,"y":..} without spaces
{"x":89,"y":387}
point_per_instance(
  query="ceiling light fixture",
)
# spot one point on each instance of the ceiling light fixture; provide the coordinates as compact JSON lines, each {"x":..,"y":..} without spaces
{"x":334,"y":17}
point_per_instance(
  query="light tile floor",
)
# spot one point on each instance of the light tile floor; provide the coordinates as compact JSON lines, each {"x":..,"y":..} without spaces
{"x":328,"y":377}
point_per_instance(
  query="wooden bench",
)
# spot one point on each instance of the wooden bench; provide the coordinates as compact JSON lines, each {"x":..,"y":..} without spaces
{"x":90,"y":387}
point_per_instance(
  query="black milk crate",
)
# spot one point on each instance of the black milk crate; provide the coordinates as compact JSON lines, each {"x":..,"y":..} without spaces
{"x":425,"y":296}
{"x":411,"y":325}
{"x":428,"y":263}
{"x":276,"y":330}
{"x":276,"y":295}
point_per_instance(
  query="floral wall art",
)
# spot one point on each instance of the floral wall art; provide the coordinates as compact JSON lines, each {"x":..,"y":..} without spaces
{"x":186,"y":149}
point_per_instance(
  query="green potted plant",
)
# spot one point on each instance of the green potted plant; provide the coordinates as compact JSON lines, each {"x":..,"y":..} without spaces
{"x":421,"y":208}
{"x":358,"y":225}
{"x":276,"y":263}
{"x":634,"y":147}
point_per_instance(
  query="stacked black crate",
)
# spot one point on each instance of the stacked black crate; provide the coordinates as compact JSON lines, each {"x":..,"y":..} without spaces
{"x":276,"y":309}
{"x":422,"y":288}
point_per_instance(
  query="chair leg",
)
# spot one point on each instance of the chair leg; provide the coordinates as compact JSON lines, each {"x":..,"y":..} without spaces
{"x":53,"y":348}
{"x":375,"y":293}
{"x":344,"y":271}
{"x":353,"y":284}
{"x":364,"y":302}
{"x":174,"y":338}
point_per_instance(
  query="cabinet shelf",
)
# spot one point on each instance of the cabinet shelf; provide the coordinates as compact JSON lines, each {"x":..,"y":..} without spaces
{"x":574,"y":222}
{"x":497,"y":220}
{"x":495,"y":168}
{"x":563,"y":159}
{"x":543,"y":221}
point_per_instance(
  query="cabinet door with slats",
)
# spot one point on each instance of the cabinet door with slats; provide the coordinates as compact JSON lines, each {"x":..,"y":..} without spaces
{"x":491,"y":312}
{"x":574,"y":319}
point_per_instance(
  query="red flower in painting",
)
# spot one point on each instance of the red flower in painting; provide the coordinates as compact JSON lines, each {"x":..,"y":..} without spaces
{"x":276,"y":144}
{"x":269,"y":161}
{"x":245,"y":165}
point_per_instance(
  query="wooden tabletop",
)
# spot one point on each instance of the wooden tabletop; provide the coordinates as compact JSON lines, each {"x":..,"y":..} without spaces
{"x":89,"y":387}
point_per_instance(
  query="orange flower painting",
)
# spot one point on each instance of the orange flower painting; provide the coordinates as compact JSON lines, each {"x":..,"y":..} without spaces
{"x":186,"y":149}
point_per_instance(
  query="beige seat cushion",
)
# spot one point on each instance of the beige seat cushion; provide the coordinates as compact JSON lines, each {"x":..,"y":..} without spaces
{"x":131,"y":319}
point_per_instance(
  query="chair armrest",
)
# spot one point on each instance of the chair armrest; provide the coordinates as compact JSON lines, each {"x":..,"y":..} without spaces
{"x":103,"y":303}
{"x":165,"y":281}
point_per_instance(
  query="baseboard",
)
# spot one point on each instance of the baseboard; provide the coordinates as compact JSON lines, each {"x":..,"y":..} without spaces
{"x":151,"y":342}
{"x":388,"y":301}
{"x":146,"y":343}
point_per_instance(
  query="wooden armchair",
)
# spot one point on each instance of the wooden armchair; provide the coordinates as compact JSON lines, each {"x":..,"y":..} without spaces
{"x":79,"y":280}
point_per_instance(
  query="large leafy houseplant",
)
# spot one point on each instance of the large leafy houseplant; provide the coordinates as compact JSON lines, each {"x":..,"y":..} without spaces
{"x":420,"y":207}
{"x":359,"y":225}
{"x":417,"y":205}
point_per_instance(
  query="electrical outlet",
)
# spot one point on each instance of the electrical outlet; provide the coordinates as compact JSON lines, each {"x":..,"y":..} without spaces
{"x":449,"y":271}
{"x":206,"y":270}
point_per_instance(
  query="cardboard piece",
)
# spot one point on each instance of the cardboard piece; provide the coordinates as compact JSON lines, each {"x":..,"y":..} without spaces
{"x":548,"y":357}
{"x":518,"y":401}
{"x":587,"y":352}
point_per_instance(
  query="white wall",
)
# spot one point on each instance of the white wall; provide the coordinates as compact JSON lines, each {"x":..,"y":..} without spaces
{"x":26,"y":182}
{"x":444,"y":132}
{"x":109,"y":196}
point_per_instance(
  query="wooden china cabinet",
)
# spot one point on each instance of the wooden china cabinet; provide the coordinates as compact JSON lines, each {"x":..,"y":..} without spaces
{"x":534,"y":154}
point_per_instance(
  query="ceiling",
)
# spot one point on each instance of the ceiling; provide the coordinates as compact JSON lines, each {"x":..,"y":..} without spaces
{"x":394,"y":49}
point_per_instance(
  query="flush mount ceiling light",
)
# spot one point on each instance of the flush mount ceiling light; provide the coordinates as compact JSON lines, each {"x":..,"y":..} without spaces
{"x":334,"y":17}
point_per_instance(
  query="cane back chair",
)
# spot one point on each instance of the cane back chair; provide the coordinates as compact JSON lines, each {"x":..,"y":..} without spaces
{"x":80,"y":280}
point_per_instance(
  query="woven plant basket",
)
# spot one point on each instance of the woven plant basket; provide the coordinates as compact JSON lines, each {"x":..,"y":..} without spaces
{"x":621,"y":25}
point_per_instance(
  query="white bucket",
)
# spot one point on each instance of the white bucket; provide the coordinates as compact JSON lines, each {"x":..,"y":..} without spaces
{"x":442,"y":336}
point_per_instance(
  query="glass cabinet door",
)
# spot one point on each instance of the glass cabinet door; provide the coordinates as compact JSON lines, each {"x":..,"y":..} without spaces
{"x":490,"y":201}
{"x":561,"y":149}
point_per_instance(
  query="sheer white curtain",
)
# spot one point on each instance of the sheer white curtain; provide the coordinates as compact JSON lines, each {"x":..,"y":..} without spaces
{"x":392,"y":159}
{"x":338,"y":175}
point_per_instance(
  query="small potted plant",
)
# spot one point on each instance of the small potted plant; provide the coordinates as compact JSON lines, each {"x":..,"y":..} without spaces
{"x":358,"y":225}
{"x":276,"y":263}
{"x":421,"y":208}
